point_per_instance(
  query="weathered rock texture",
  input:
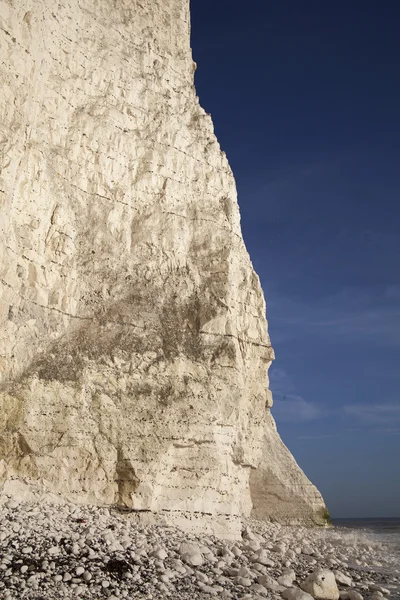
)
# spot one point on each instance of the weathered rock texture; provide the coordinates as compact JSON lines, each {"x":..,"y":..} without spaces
{"x":280,"y":491}
{"x":133,"y":340}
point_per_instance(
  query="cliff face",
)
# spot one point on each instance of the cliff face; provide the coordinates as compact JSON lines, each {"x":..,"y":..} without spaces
{"x":134,"y":351}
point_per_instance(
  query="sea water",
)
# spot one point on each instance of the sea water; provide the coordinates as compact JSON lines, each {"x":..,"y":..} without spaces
{"x":384,"y":531}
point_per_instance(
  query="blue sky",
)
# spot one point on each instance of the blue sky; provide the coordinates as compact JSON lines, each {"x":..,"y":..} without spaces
{"x":305,"y":98}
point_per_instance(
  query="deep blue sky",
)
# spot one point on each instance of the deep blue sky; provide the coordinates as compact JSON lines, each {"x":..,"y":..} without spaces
{"x":305,"y":98}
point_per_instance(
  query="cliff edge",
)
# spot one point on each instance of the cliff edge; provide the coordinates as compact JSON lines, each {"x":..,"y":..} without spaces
{"x":134,"y":350}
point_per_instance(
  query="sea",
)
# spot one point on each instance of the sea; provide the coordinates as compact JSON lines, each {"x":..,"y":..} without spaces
{"x":384,"y":531}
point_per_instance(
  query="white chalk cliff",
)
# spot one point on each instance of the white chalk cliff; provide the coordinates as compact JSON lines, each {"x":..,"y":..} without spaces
{"x":134,"y":350}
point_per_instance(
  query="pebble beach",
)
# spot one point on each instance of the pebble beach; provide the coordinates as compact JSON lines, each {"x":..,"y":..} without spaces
{"x":49,"y":551}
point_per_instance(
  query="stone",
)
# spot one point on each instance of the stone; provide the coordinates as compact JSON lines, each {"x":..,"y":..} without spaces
{"x":244,"y":572}
{"x":253,"y":545}
{"x":296,"y":594}
{"x":342,"y":578}
{"x":159,"y":553}
{"x":259,"y":567}
{"x":191,"y":555}
{"x":259,"y":589}
{"x":268,"y":582}
{"x":321,"y":584}
{"x":264,"y":559}
{"x":125,"y":284}
{"x":287,"y":579}
{"x":378,"y":588}
{"x":290,"y":573}
{"x":202,"y":577}
{"x":208,"y":589}
{"x":279,"y":548}
{"x":243,"y":581}
{"x":354,"y":595}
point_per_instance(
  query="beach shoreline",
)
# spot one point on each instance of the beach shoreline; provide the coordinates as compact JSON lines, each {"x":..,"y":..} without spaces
{"x":50,"y":551}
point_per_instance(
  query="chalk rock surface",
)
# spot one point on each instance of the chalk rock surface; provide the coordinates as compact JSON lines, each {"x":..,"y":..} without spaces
{"x":134,"y":350}
{"x":321,"y":584}
{"x":280,"y":489}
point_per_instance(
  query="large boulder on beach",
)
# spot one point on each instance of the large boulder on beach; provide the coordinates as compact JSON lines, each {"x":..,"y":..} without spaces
{"x":134,"y":349}
{"x":321,"y":584}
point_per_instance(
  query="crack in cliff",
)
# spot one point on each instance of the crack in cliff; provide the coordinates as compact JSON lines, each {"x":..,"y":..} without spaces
{"x":42,"y":265}
{"x":220,"y":226}
{"x":235,"y":337}
{"x":128,"y":40}
{"x":9,"y":286}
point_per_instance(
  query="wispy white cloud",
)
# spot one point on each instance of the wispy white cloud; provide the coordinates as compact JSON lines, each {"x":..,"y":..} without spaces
{"x":289,"y":406}
{"x":321,"y":436}
{"x":375,"y":413}
{"x":381,"y":323}
{"x":350,"y":433}
{"x":389,"y":430}
{"x":281,"y":380}
{"x":293,"y":408}
{"x":352,"y":313}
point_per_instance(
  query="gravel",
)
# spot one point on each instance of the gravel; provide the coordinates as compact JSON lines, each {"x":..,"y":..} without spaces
{"x":48,"y":552}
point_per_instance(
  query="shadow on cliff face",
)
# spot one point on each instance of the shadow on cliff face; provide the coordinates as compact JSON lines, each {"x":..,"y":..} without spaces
{"x":279,"y":488}
{"x":126,"y":479}
{"x":135,"y":324}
